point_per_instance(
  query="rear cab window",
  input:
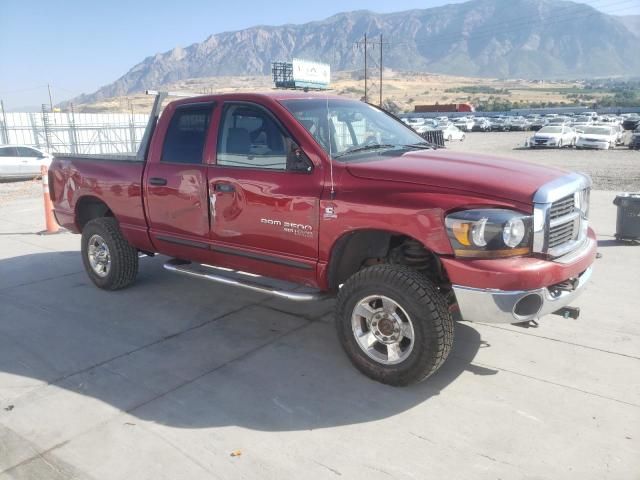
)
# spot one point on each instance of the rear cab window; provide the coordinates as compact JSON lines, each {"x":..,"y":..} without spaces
{"x":186,"y":135}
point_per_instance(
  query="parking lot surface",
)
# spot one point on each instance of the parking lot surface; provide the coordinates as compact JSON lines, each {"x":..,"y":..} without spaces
{"x":617,"y":169}
{"x":175,"y":378}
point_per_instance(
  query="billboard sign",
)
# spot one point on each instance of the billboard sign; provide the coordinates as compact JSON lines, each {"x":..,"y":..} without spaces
{"x":313,"y":74}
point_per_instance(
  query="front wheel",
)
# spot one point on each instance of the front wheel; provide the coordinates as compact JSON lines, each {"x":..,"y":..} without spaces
{"x":394,"y":324}
{"x":109,"y":260}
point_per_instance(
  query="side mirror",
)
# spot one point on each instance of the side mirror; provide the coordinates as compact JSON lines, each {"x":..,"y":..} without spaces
{"x":297,"y":160}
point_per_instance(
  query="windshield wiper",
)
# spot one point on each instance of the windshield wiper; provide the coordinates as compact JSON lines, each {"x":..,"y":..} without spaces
{"x":373,"y":146}
{"x":422,"y":145}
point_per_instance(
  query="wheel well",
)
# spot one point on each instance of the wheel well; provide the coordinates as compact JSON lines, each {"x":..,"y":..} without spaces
{"x":362,"y":248}
{"x":89,"y":208}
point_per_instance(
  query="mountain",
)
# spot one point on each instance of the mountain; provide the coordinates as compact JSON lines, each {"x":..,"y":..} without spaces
{"x":490,"y":38}
{"x":632,"y":22}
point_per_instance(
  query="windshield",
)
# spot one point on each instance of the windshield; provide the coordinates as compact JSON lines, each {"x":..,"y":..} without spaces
{"x":351,"y":125}
{"x":597,"y":130}
{"x":550,"y":130}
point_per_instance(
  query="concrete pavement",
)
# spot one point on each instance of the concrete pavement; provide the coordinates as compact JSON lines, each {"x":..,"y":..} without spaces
{"x":165,"y":380}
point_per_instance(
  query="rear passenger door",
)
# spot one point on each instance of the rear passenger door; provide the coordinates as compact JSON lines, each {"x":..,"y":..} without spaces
{"x":264,"y":195}
{"x":175,"y":183}
{"x":30,"y":161}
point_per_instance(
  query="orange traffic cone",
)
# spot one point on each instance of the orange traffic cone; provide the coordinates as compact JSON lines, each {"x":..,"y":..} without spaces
{"x":50,"y":221}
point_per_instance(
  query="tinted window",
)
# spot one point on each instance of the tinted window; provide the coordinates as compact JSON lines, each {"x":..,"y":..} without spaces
{"x":184,"y":142}
{"x":8,"y":152}
{"x":250,"y":137}
{"x":27,"y":152}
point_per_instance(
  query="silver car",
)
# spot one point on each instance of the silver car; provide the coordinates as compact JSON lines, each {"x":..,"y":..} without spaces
{"x":21,"y":161}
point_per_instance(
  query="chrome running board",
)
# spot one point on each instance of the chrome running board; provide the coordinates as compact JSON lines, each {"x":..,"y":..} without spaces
{"x":250,"y":281}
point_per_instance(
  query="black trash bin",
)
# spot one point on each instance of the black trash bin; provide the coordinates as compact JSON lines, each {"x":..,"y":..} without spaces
{"x":628,"y":222}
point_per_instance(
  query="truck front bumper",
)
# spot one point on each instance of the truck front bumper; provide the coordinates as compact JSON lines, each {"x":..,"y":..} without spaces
{"x":506,"y":306}
{"x":521,"y":288}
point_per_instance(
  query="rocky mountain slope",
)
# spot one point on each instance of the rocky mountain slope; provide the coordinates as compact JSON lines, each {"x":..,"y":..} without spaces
{"x":488,"y":38}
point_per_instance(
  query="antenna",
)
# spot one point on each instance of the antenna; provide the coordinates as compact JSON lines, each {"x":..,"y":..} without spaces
{"x":333,"y":190}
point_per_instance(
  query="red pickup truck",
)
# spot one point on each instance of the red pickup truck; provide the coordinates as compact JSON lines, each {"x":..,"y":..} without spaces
{"x":305,"y":196}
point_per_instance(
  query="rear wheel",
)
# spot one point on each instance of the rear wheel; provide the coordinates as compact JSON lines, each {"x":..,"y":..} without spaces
{"x":394,"y":324}
{"x":109,"y":260}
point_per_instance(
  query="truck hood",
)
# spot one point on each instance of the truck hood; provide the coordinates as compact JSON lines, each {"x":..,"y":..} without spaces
{"x":481,"y":175}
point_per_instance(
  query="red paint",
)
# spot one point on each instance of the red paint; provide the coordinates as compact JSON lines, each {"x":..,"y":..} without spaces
{"x":408,"y":195}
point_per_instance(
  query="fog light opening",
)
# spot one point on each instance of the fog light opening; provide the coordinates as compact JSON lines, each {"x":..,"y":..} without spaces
{"x":528,"y":306}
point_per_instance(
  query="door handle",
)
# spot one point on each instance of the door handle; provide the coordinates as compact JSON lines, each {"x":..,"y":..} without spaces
{"x":224,"y":187}
{"x":158,"y":181}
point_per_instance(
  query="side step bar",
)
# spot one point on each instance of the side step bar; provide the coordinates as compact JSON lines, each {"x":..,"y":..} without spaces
{"x":236,"y":278}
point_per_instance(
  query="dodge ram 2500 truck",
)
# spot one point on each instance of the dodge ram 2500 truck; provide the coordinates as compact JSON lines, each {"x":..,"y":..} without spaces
{"x":304,"y":196}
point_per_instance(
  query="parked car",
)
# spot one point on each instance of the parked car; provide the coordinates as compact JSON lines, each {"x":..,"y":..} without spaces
{"x":519,"y":123}
{"x":631,"y":123}
{"x":634,"y":142}
{"x":582,"y":120}
{"x":602,"y":137}
{"x":481,"y":124}
{"x":539,"y":123}
{"x":558,"y":120}
{"x":452,"y":132}
{"x":556,"y":136}
{"x":465,"y":124}
{"x":413,"y":121}
{"x":406,"y":238}
{"x":500,"y":125}
{"x":619,"y":131}
{"x":22,"y":161}
{"x":428,"y":124}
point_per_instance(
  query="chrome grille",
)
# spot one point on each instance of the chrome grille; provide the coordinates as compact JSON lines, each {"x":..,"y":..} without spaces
{"x":562,"y":234}
{"x":561,"y":215}
{"x":562,"y":207}
{"x":567,"y":222}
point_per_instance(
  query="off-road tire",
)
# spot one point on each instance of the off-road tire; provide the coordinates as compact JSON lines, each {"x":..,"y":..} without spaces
{"x":124,"y":258}
{"x":432,"y":323}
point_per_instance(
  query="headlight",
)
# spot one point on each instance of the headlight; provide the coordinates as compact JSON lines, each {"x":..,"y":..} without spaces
{"x":490,"y":233}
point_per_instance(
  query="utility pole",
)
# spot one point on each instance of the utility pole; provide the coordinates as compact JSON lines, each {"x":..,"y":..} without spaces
{"x":5,"y":131}
{"x":366,"y":98}
{"x":50,"y":98}
{"x":381,"y":70}
{"x":365,"y":43}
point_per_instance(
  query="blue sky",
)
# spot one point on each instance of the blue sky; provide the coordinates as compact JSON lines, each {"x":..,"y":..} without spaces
{"x":78,"y":46}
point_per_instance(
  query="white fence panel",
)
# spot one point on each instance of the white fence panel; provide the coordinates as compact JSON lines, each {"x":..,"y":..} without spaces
{"x":98,"y":133}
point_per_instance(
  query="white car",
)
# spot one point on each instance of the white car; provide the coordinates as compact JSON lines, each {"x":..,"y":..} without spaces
{"x":553,"y":136}
{"x":602,"y":137}
{"x":451,"y":132}
{"x":21,"y":161}
{"x":413,"y":121}
{"x":465,"y":124}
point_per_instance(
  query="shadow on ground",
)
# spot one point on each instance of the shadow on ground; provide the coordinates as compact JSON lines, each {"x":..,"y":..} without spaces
{"x":185,"y":353}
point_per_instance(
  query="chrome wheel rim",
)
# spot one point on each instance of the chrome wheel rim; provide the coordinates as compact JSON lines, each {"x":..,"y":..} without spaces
{"x":99,"y":256}
{"x":383,"y":330}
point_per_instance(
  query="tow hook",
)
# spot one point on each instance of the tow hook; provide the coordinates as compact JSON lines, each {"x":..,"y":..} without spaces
{"x":568,"y":312}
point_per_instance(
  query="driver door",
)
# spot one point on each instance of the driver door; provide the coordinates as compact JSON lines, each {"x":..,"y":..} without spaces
{"x":264,"y":196}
